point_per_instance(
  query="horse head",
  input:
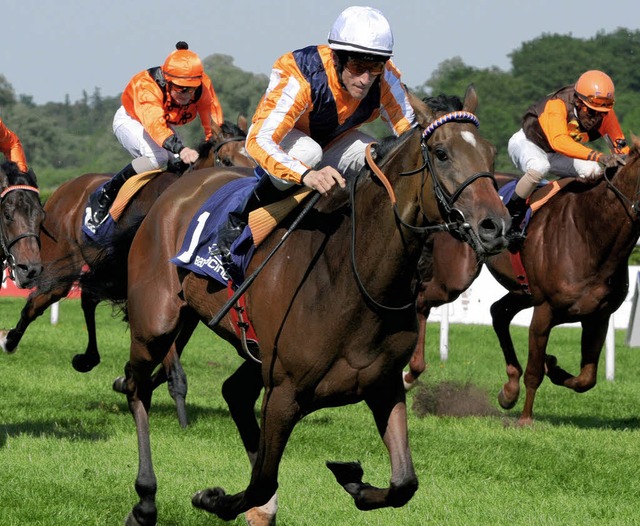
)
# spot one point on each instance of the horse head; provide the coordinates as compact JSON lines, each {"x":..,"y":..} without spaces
{"x":21,"y":216}
{"x":459,"y":162}
{"x":226,"y":146}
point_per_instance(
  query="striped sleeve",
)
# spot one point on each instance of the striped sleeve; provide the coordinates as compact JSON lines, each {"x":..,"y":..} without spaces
{"x":288,"y":96}
{"x":395,"y":108}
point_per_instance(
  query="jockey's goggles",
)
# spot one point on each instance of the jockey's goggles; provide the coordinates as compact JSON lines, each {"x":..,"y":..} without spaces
{"x":597,"y":103}
{"x":358,"y":66}
{"x":183,"y":89}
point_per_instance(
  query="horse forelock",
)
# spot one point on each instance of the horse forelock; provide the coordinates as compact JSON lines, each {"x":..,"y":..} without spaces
{"x":15,"y":176}
{"x":444,"y":103}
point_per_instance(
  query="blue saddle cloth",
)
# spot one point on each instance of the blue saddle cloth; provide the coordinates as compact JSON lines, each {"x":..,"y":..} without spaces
{"x":200,"y":238}
{"x":507,"y":191}
{"x":104,"y":232}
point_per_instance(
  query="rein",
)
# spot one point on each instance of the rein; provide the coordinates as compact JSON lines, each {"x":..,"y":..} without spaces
{"x":455,"y":222}
{"x":9,"y":260}
{"x":633,"y":205}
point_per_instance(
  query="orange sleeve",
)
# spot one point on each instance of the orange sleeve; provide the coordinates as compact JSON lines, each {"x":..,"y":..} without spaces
{"x":396,"y":108}
{"x":209,"y":107}
{"x":553,"y":121}
{"x":611,"y":127}
{"x":143,"y":100}
{"x":11,"y":147}
{"x":286,"y":101}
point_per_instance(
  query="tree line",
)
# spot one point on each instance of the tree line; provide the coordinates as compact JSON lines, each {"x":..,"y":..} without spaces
{"x":64,"y":140}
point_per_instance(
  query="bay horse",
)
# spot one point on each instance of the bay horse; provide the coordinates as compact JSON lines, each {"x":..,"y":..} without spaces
{"x":21,"y":217}
{"x":575,"y":256}
{"x":69,"y":257}
{"x":447,"y":268}
{"x":329,"y":335}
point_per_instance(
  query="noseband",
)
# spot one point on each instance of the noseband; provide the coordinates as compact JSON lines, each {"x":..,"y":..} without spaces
{"x":8,"y":259}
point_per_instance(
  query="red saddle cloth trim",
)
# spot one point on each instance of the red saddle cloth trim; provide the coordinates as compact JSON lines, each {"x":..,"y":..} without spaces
{"x":519,"y":271}
{"x":235,"y":316}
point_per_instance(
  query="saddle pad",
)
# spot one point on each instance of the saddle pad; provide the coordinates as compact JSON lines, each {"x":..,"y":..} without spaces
{"x":200,"y":239}
{"x":130,"y":188}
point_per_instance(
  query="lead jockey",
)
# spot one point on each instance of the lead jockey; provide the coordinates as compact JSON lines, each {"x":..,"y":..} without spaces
{"x":554,"y":136}
{"x":304,"y":130}
{"x":11,"y":147}
{"x":154,"y":102}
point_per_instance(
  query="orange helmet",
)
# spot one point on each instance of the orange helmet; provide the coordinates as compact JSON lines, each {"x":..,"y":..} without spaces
{"x":596,"y":90}
{"x":183,"y":67}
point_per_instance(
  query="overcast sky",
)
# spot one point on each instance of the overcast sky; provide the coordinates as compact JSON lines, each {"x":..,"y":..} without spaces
{"x":53,"y":49}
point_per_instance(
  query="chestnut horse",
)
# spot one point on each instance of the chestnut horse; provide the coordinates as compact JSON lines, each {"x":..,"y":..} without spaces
{"x":66,"y":252}
{"x":21,"y":217}
{"x":439,"y":168}
{"x":576,"y":260}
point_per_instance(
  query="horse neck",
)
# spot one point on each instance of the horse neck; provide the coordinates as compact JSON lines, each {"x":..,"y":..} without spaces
{"x":612,"y":219}
{"x":388,"y":252}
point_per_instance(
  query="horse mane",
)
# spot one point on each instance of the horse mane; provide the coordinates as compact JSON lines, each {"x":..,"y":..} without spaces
{"x":15,"y":176}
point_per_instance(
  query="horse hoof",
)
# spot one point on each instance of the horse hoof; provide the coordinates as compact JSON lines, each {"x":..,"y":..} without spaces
{"x":264,"y":515}
{"x":346,"y":472}
{"x":550,"y":363}
{"x":207,"y":499}
{"x":131,"y":520}
{"x":82,"y":364}
{"x":4,"y":337}
{"x":120,"y":385}
{"x":504,"y":403}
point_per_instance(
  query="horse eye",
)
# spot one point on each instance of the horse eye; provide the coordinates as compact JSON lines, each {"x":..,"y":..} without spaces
{"x":441,"y":154}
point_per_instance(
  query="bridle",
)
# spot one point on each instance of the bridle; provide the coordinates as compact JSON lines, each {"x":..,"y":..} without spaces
{"x":8,"y":261}
{"x":216,"y":150}
{"x":454,"y":220}
{"x":634,"y":204}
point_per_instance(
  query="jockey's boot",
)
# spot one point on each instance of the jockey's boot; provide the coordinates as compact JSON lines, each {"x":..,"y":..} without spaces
{"x":100,"y":201}
{"x":517,"y":207}
{"x":263,"y":194}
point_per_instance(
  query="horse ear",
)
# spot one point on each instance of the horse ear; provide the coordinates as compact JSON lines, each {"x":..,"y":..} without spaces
{"x":470,"y":99}
{"x":216,"y":131}
{"x":242,"y":123}
{"x":635,"y":140}
{"x":424,"y":115}
{"x":4,"y":179}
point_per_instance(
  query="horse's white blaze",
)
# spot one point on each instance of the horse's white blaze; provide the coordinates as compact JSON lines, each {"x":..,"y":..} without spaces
{"x":469,"y":137}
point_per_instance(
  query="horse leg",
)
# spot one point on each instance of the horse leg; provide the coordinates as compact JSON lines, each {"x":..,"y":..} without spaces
{"x":390,"y":414}
{"x":502,"y":312}
{"x":139,"y":392}
{"x":417,"y":364}
{"x":241,"y":391}
{"x":86,"y":362}
{"x":594,"y":334}
{"x":541,"y":324}
{"x":280,"y":413}
{"x":36,"y":304}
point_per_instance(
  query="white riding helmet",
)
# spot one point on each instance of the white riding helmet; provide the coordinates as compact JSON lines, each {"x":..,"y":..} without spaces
{"x":362,"y":30}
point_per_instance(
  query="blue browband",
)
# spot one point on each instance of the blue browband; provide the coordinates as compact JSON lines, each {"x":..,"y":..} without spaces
{"x":456,"y":116}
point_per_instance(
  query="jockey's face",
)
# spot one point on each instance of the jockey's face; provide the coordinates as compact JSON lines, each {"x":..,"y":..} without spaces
{"x":358,"y":85}
{"x":589,"y":119}
{"x":182,"y":95}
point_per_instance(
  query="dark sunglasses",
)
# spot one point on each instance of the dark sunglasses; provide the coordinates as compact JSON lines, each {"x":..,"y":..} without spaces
{"x":358,"y":67}
{"x":183,"y":89}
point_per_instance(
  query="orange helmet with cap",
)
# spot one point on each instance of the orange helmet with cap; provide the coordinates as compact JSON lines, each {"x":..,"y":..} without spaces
{"x":183,"y":67}
{"x":596,"y":90}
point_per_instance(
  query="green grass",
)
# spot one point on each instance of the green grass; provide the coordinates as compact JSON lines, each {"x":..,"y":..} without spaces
{"x":68,"y":452}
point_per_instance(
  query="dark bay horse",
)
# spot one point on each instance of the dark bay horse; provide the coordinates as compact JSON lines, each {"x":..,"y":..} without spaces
{"x":576,"y":260}
{"x":313,"y":354}
{"x":69,"y":257}
{"x":21,"y":216}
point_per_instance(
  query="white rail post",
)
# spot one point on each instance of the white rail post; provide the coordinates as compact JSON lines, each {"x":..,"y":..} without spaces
{"x":444,"y":332}
{"x":55,"y":311}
